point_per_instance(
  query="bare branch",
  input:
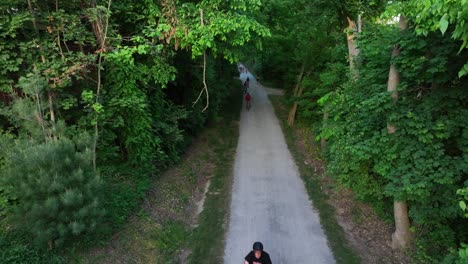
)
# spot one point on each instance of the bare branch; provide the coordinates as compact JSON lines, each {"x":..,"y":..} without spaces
{"x":98,"y":89}
{"x":205,"y":87}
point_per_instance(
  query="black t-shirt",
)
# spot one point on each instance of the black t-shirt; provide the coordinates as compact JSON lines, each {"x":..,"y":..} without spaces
{"x":264,"y":258}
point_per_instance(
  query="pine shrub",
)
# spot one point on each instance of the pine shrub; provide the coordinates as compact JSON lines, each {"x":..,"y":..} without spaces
{"x":56,"y":190}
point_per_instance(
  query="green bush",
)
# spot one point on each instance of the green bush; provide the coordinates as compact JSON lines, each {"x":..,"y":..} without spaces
{"x":430,"y":239}
{"x":15,"y":249}
{"x":56,"y":188}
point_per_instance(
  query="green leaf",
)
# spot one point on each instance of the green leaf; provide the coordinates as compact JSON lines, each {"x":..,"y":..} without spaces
{"x":463,"y":71}
{"x":443,"y":24}
{"x":462,"y":205}
{"x":97,"y":107}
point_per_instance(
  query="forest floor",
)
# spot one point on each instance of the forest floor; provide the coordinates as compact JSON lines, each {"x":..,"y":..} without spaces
{"x":366,"y":234}
{"x":183,"y":217}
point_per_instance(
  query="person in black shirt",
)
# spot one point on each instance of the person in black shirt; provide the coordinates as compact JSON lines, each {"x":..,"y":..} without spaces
{"x":246,"y":85}
{"x":257,"y":255}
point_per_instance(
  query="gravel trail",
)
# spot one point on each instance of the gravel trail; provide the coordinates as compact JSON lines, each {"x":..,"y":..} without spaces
{"x":269,"y":201}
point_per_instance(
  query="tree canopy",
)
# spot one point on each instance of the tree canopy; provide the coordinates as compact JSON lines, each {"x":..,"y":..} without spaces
{"x":421,"y":160}
{"x":98,"y":96}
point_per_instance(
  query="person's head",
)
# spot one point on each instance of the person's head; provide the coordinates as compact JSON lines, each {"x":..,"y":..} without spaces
{"x":258,"y":249}
{"x":248,"y":79}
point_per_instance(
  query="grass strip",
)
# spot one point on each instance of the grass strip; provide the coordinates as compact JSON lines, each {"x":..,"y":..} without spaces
{"x":334,"y":232}
{"x":207,"y":241}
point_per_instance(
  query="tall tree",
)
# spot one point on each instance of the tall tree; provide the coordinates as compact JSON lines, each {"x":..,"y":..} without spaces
{"x":402,"y":235}
{"x":351,"y":38}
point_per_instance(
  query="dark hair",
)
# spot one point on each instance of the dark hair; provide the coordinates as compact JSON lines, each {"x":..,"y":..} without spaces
{"x":248,"y":79}
{"x":258,"y":246}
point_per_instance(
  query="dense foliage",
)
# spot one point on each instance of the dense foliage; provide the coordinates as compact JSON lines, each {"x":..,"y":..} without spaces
{"x":424,"y":162}
{"x":98,"y":96}
{"x":57,"y":189}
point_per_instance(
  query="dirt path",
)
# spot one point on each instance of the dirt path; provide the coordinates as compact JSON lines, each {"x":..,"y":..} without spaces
{"x":269,"y":201}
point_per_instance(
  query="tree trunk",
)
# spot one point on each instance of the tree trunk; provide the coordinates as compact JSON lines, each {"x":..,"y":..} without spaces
{"x":33,"y":17}
{"x":393,"y":76}
{"x":352,"y":49}
{"x":101,"y":36}
{"x":52,"y":116}
{"x":292,"y":111}
{"x":353,"y":52}
{"x":98,"y":28}
{"x":402,"y":236}
{"x":359,"y":24}
{"x":292,"y":114}
{"x":39,"y":114}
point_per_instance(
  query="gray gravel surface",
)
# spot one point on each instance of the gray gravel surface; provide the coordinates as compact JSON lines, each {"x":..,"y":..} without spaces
{"x":269,"y":201}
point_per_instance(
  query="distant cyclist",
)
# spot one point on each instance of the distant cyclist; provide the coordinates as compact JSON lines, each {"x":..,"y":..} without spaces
{"x":246,"y":84}
{"x":257,"y":255}
{"x":248,"y":98}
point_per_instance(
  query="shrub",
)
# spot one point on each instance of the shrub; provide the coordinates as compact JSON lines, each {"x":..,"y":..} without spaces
{"x":56,"y":190}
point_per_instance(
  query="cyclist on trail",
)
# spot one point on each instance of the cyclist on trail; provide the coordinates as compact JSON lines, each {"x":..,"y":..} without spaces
{"x":246,"y":84}
{"x":247,"y":100}
{"x":257,"y":255}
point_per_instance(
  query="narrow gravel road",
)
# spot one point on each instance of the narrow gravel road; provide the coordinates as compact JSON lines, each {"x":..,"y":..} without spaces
{"x":269,"y":200}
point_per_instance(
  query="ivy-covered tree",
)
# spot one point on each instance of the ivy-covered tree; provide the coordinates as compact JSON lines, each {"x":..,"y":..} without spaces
{"x":411,"y":150}
{"x":420,"y":157}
